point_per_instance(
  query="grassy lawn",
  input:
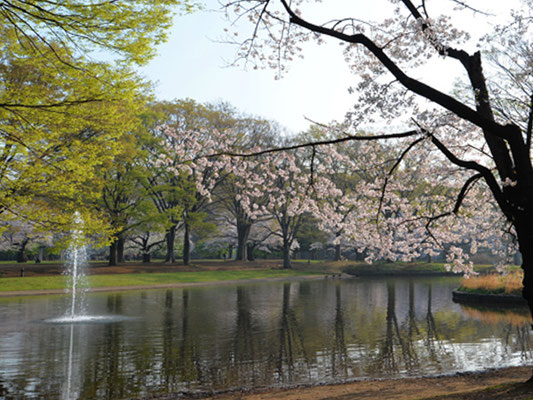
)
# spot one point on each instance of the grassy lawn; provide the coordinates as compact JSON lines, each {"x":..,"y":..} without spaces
{"x":58,"y":282}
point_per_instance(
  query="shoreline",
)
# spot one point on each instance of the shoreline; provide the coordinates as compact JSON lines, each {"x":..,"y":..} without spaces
{"x":403,"y":388}
{"x":487,"y":298}
{"x":45,"y":292}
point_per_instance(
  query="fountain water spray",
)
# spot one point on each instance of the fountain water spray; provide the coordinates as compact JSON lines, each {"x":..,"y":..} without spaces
{"x":76,"y":260}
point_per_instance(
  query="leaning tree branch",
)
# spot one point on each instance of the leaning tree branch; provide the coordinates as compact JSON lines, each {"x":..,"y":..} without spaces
{"x":460,"y":55}
{"x":391,"y":171}
{"x":319,"y":143}
{"x":64,"y":103}
{"x":472,"y":65}
{"x":483,"y":171}
{"x":464,"y":191}
{"x":458,"y":202}
{"x":457,"y":206}
{"x":420,"y":88}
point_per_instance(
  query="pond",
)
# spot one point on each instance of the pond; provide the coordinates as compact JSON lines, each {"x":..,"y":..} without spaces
{"x":257,"y":335}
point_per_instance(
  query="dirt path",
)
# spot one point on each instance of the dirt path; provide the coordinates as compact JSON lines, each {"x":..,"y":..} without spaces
{"x":402,"y":389}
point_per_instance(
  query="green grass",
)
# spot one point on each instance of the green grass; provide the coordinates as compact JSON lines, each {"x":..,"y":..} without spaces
{"x":147,"y":279}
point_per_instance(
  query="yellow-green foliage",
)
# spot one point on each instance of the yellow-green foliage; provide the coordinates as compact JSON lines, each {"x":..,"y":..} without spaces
{"x":63,"y":113}
{"x":494,"y":283}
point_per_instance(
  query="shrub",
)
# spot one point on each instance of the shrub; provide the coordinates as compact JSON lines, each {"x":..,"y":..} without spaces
{"x":494,"y":283}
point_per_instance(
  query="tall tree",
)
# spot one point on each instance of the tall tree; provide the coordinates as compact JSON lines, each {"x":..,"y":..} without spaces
{"x":62,"y":110}
{"x":252,"y":133}
{"x":471,"y":134}
{"x":190,"y":132}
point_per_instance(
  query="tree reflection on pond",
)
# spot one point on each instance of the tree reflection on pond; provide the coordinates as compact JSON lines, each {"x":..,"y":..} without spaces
{"x":254,"y":336}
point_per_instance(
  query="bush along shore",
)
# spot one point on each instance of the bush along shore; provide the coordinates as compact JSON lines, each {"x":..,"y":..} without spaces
{"x":404,"y":268}
{"x":495,"y":288}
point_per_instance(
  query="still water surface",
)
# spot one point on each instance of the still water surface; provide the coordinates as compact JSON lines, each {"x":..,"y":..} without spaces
{"x":217,"y":338}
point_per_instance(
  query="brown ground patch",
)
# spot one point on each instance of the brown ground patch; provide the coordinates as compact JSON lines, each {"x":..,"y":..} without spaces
{"x":32,"y":269}
{"x":463,"y":386}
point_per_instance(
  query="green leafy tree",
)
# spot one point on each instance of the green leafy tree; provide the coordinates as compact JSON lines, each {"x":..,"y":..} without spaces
{"x":62,"y":112}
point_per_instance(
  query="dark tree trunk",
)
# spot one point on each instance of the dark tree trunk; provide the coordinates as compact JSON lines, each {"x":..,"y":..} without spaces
{"x":249,"y":252}
{"x":21,"y":254}
{"x":230,"y":252}
{"x":338,"y":254}
{"x":170,"y":236}
{"x":147,"y":258}
{"x":525,"y":243}
{"x":113,"y":253}
{"x":286,"y":254}
{"x":186,"y":246}
{"x":243,"y":232}
{"x":120,"y":249}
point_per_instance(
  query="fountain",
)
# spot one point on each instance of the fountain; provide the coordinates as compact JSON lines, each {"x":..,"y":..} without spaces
{"x":76,"y":311}
{"x":77,"y":283}
{"x":76,"y":260}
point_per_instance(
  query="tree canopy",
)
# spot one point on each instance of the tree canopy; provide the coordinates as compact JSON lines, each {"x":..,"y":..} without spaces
{"x":486,"y":134}
{"x":67,"y":94}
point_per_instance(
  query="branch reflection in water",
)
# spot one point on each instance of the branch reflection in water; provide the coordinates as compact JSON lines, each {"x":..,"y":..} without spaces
{"x":251,"y":336}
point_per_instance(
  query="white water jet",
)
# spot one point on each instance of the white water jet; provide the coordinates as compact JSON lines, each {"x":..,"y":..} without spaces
{"x":66,"y":394}
{"x":76,"y":261}
{"x":77,"y":284}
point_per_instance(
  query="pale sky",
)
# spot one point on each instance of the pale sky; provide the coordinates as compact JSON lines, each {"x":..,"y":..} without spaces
{"x":193,"y":64}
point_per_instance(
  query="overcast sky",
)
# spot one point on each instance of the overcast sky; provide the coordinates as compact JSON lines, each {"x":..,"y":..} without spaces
{"x":193,"y":64}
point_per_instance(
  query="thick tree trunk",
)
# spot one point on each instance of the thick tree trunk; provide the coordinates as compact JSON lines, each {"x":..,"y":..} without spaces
{"x":170,"y":237}
{"x":147,"y":258}
{"x":113,"y":253}
{"x":21,"y":254}
{"x":243,"y":232}
{"x":120,"y":249}
{"x":230,"y":252}
{"x":186,"y":246}
{"x":249,"y":252}
{"x":338,"y":253}
{"x":525,"y":242}
{"x":286,"y":254}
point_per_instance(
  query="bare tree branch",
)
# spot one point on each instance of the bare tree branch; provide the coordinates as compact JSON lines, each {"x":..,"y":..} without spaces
{"x":398,"y":161}
{"x":63,"y":103}
{"x":428,"y":92}
{"x":319,"y":143}
{"x":484,"y":171}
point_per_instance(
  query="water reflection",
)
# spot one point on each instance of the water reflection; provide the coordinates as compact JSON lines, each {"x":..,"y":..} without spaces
{"x":251,"y":336}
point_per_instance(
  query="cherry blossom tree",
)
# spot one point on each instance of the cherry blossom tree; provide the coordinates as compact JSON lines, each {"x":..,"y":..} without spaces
{"x":183,"y":133}
{"x":284,"y":182}
{"x":185,"y":157}
{"x":485,"y":138}
{"x":253,"y":132}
